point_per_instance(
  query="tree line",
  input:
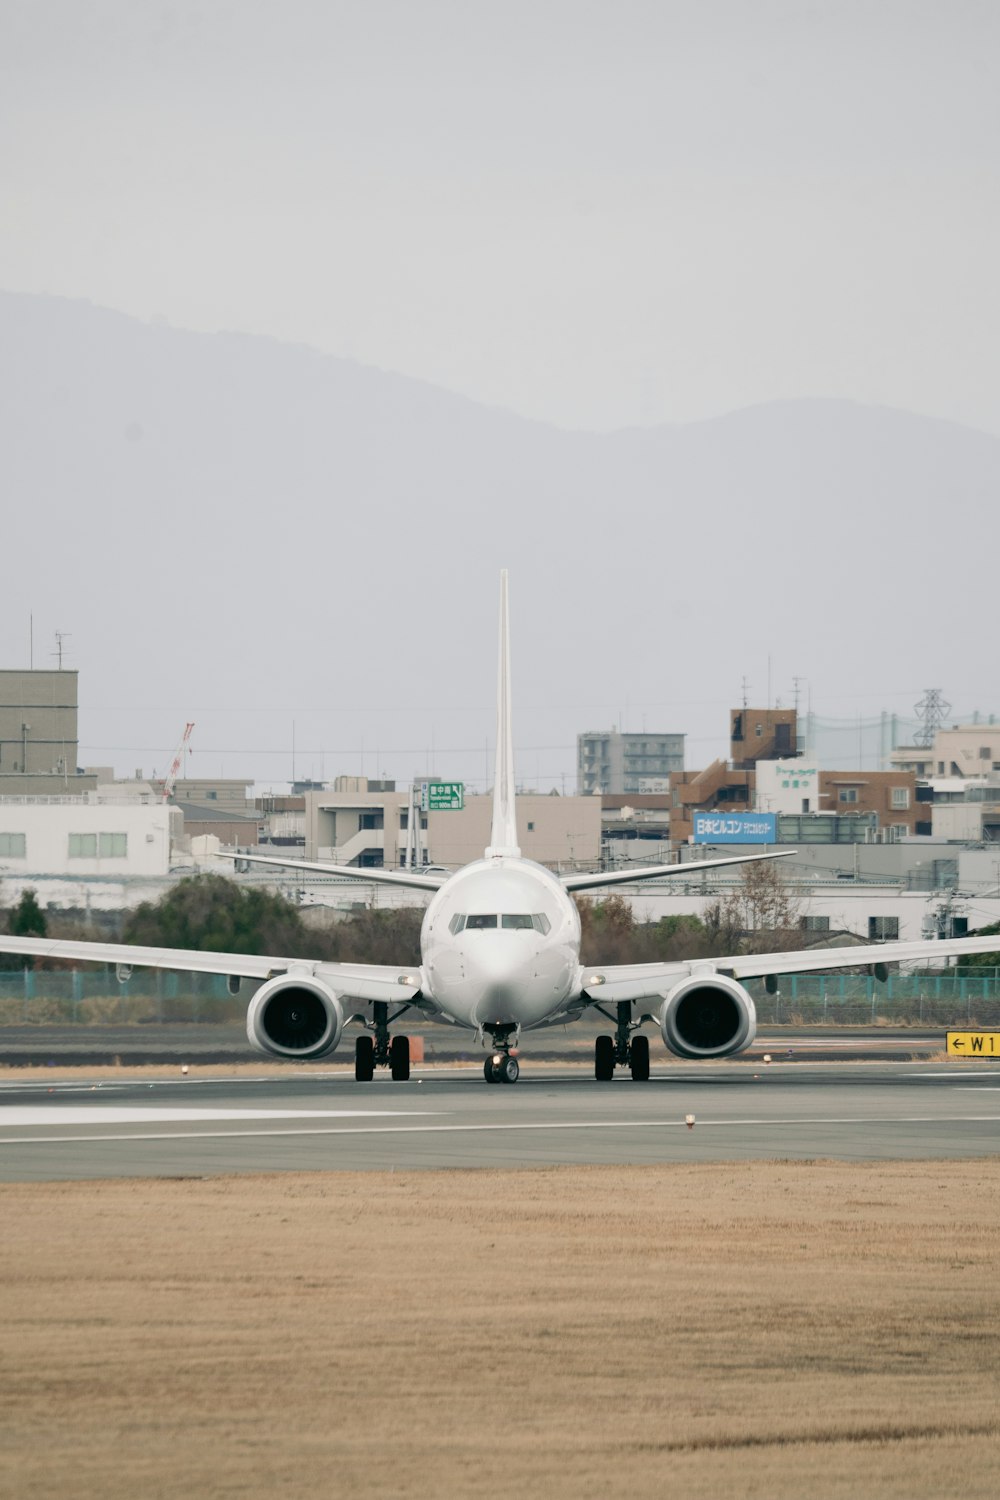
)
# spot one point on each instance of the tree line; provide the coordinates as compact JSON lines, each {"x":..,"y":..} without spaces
{"x":760,"y":913}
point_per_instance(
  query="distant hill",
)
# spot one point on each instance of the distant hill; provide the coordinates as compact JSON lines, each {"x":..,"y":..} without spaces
{"x":253,"y":532}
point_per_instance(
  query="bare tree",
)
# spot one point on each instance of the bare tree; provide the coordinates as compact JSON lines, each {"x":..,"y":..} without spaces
{"x":761,"y":915}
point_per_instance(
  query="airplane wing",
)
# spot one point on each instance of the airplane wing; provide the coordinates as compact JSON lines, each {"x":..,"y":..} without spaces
{"x":356,"y":981}
{"x":613,"y":982}
{"x":417,"y":880}
{"x":687,"y":871}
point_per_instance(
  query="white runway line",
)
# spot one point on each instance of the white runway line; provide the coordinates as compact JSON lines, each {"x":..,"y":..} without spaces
{"x":179,"y":1137}
{"x":113,"y":1114}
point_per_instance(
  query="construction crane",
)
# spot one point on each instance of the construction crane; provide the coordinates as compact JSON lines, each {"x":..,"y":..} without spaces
{"x":175,"y":764}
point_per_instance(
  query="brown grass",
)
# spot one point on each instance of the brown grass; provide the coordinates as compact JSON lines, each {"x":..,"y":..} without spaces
{"x":773,"y":1330}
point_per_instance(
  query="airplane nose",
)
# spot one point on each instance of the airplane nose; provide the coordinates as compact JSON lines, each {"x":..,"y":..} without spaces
{"x":498,"y":973}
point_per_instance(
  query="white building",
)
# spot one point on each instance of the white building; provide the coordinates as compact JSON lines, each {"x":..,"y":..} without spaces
{"x":788,"y":786}
{"x":78,"y":838}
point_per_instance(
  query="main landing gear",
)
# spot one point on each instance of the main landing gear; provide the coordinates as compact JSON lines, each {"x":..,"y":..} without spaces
{"x":623,"y":1049}
{"x":502,"y":1066}
{"x":381,"y":1050}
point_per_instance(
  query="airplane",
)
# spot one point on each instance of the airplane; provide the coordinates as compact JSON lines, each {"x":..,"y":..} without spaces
{"x":500,"y":955}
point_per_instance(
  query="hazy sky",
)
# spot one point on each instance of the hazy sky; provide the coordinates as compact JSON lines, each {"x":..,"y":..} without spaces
{"x":591,"y":213}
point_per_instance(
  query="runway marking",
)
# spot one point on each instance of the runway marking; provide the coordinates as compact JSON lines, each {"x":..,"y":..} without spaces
{"x":112,"y":1114}
{"x":501,"y":1125}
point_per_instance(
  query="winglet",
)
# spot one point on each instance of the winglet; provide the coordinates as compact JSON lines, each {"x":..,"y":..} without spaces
{"x":503,"y":834}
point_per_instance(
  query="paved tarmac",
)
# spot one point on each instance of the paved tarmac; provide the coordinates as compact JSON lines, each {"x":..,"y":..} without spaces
{"x":74,"y":1046}
{"x":195,"y":1127}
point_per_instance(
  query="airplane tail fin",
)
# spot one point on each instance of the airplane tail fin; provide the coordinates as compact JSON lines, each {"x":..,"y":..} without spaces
{"x":503,"y":834}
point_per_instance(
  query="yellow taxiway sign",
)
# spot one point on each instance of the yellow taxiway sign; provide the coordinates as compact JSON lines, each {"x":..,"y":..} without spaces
{"x":974,"y":1043}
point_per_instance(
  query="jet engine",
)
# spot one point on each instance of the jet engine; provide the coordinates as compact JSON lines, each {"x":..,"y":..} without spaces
{"x":708,"y":1015}
{"x":295,"y":1017}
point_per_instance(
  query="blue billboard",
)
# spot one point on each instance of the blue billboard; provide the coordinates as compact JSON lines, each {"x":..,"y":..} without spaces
{"x":735,"y":828}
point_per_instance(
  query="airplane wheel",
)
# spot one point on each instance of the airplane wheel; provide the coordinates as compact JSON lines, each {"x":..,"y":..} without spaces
{"x":399,"y":1058}
{"x":364,"y":1059}
{"x":509,"y":1070}
{"x":638,"y":1056}
{"x":604,"y":1058}
{"x":488,"y":1071}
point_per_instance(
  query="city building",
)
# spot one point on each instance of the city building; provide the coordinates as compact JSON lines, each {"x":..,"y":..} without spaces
{"x":719,"y":787}
{"x":369,"y":829}
{"x":609,"y":761}
{"x":800,"y":787}
{"x":757,"y":734}
{"x":38,"y":735}
{"x":106,"y":836}
{"x":635,"y":826}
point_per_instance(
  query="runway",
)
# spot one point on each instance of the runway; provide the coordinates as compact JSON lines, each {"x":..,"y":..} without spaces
{"x":451,"y":1118}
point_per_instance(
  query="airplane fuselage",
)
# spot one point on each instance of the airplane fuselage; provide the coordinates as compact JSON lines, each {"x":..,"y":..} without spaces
{"x":500,"y":944}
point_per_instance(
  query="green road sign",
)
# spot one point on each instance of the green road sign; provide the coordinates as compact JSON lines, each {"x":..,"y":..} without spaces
{"x":442,"y":796}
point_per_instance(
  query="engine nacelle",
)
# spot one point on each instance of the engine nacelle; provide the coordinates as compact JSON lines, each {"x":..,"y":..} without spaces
{"x":295,"y":1016}
{"x":708,"y":1015}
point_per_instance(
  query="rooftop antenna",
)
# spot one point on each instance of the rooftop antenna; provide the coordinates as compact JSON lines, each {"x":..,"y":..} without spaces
{"x":61,"y":635}
{"x":745,"y":686}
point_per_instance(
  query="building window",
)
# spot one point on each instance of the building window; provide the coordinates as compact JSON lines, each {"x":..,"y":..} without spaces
{"x":94,"y":845}
{"x":900,"y":796}
{"x":883,"y":929}
{"x":815,"y":924}
{"x":985,"y":753}
{"x":847,"y":794}
{"x":12,"y":845}
{"x":531,"y":827}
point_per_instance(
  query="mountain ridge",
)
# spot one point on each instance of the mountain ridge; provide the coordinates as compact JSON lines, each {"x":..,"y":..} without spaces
{"x":230,"y":521}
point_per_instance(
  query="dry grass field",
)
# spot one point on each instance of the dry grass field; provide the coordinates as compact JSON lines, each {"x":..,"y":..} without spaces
{"x":773,"y":1330}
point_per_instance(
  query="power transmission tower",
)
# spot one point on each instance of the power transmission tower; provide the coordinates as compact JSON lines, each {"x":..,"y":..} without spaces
{"x":932,"y":710}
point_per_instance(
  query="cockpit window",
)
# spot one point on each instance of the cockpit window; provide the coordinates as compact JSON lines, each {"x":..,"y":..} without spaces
{"x":536,"y":920}
{"x":526,"y":921}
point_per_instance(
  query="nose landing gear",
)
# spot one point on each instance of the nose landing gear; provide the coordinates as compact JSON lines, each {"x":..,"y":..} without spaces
{"x":502,"y":1066}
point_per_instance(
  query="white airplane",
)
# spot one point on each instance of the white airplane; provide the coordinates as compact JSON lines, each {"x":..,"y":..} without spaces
{"x":500,"y":954}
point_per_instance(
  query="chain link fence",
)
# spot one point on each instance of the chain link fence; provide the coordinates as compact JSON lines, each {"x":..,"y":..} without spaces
{"x":88,"y":997}
{"x":954,"y":997}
